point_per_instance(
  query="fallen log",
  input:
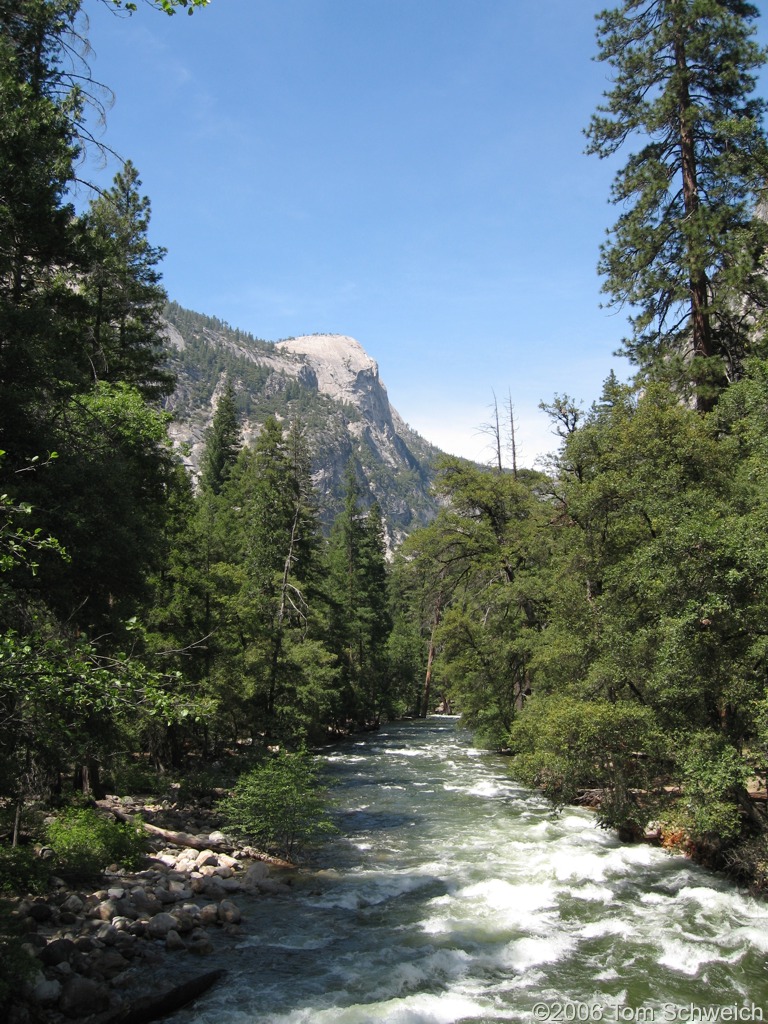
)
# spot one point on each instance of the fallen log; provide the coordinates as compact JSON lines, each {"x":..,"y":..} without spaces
{"x":149,"y":1008}
{"x":193,"y":842}
{"x":171,"y":837}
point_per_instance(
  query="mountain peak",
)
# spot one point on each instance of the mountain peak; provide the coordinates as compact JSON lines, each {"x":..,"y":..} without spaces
{"x":326,"y":381}
{"x":338,"y":361}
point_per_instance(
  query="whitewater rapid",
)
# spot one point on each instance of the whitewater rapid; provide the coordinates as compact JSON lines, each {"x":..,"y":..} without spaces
{"x":453,"y":895}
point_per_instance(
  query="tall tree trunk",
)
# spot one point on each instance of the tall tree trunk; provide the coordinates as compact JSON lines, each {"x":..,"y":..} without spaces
{"x":424,"y":710}
{"x":698,"y":284}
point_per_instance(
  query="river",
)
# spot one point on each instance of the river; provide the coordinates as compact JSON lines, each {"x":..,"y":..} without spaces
{"x":452,"y":894}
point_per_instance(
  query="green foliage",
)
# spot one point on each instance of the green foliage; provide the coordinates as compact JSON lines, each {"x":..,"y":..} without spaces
{"x":125,"y":297}
{"x":85,"y":843}
{"x":686,"y":252}
{"x":166,"y":6}
{"x":21,"y":871}
{"x":360,"y":621}
{"x":222,"y":442}
{"x":712,"y":773}
{"x":278,"y":805}
{"x":564,"y":745}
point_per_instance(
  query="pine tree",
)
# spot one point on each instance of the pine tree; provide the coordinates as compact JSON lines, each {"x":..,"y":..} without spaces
{"x":687,"y":251}
{"x":124,"y":290}
{"x":222,"y":442}
{"x":40,"y":356}
{"x":273,"y":660}
{"x":361,"y":622}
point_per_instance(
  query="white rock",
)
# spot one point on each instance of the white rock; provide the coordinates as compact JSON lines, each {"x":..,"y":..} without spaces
{"x":159,"y":926}
{"x":46,"y":992}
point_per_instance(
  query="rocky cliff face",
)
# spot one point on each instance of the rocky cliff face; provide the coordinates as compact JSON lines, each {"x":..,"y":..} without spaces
{"x":331,"y":384}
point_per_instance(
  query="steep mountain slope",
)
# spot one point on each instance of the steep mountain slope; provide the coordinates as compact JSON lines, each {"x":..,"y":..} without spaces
{"x":327,"y":381}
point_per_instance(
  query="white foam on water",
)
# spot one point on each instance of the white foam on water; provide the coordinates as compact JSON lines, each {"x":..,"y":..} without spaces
{"x":598,"y":929}
{"x":687,"y":957}
{"x":369,"y":888}
{"x":487,"y":788}
{"x":416,"y":1009}
{"x":518,"y":905}
{"x":499,"y":895}
{"x":591,"y":893}
{"x":531,"y":952}
{"x":749,"y":935}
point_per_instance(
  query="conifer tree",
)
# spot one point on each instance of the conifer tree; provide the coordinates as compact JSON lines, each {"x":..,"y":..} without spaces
{"x":124,"y":290}
{"x":40,"y":357}
{"x":222,"y":442}
{"x":361,"y":624}
{"x":686,"y":252}
{"x":273,"y":661}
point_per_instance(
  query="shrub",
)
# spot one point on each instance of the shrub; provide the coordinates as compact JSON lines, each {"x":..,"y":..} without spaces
{"x":278,"y":806}
{"x":84,"y":842}
{"x":21,"y":871}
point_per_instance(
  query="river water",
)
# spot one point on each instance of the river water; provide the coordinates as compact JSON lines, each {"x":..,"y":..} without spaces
{"x":452,"y":894}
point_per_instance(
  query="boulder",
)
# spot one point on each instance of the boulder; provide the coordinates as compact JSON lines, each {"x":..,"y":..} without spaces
{"x":159,"y":926}
{"x":165,"y":896}
{"x":106,"y":933}
{"x":40,"y":912}
{"x":145,"y":901}
{"x":200,"y":944}
{"x":209,"y":914}
{"x":174,"y":942}
{"x":73,"y":903}
{"x":57,"y":952}
{"x":110,"y":963}
{"x":105,"y":910}
{"x":185,"y":921}
{"x":46,"y":991}
{"x":229,"y":912}
{"x":255,"y":872}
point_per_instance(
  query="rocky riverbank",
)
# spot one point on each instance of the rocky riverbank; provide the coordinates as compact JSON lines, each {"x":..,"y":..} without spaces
{"x":102,"y":950}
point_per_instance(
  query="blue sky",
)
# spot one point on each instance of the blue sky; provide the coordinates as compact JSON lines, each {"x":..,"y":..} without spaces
{"x":407,"y":172}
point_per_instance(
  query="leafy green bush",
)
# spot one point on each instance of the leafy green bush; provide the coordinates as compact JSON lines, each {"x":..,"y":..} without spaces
{"x":85,"y":842}
{"x":563,"y":745}
{"x":21,"y":871}
{"x":279,"y":805}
